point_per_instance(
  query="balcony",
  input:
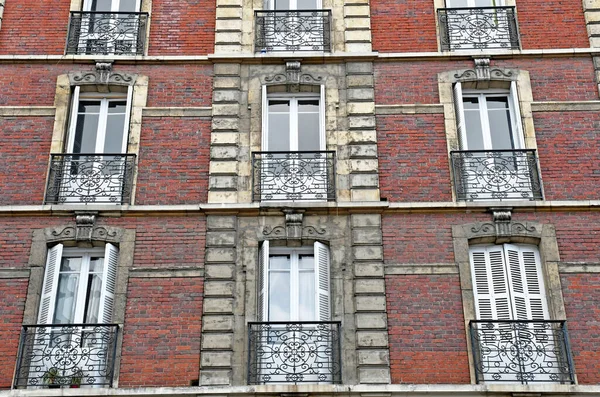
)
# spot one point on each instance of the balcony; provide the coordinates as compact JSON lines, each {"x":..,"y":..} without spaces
{"x":90,"y":178}
{"x":56,"y":356}
{"x":521,"y":351}
{"x":107,"y":33}
{"x":299,"y":352}
{"x":293,"y":176}
{"x":302,"y":30}
{"x":496,"y":175}
{"x":482,"y":28}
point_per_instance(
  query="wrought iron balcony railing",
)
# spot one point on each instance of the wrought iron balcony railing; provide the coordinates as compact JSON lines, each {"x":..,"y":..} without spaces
{"x":293,"y":176}
{"x":107,"y":33}
{"x":496,"y":175}
{"x":298,"y":352}
{"x":61,"y":355}
{"x":301,"y":30}
{"x":478,"y":28}
{"x":90,"y":178}
{"x":521,"y":351}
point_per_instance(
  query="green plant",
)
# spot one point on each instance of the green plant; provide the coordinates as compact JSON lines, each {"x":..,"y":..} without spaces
{"x":76,"y":378}
{"x":51,"y":376}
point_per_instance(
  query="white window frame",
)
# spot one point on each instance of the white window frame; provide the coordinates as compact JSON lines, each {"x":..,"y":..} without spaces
{"x":473,"y":4}
{"x":293,"y":98}
{"x":322,"y":280}
{"x":115,"y":5}
{"x":48,"y":300}
{"x":514,"y":111}
{"x":104,"y":99}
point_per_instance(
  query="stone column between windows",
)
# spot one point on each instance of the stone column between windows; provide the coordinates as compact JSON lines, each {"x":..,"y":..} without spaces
{"x":228,"y":26}
{"x":216,"y":356}
{"x":591,"y":11}
{"x":224,"y":139}
{"x":362,"y":137}
{"x":357,"y":21}
{"x":372,"y":347}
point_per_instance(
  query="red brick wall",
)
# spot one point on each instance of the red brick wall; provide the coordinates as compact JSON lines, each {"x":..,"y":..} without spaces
{"x":427,"y":237}
{"x":552,"y":24}
{"x":173,"y":164}
{"x":161,"y":343}
{"x":182,"y":27}
{"x":410,"y":25}
{"x":426,"y":329}
{"x":25,"y":150}
{"x":403,"y":26}
{"x":413,"y":165}
{"x":34,"y":27}
{"x":568,"y":148}
{"x":13,"y":292}
{"x":582,"y":303}
{"x":168,"y":85}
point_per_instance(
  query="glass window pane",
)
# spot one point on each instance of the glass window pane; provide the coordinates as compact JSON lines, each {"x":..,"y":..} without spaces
{"x":128,"y":6}
{"x":70,"y":264}
{"x":101,"y":5}
{"x":96,"y":265}
{"x":457,"y":3}
{"x":117,"y":107}
{"x":306,"y":290}
{"x":279,"y":296}
{"x":306,"y":262}
{"x":308,"y":132}
{"x":86,"y":130}
{"x":473,"y":124}
{"x":501,"y":129}
{"x":115,"y":129}
{"x":64,"y":312}
{"x":307,"y":4}
{"x":279,"y":132}
{"x":281,"y":262}
{"x":282,"y":4}
{"x":92,"y":306}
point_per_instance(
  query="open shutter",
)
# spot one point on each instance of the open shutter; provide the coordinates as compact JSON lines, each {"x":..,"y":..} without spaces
{"x":73,"y":120}
{"x":46,"y":314}
{"x":322,"y":282}
{"x":263,"y":282}
{"x":490,"y":284}
{"x":516,"y":116}
{"x":109,"y":280}
{"x":127,"y":119}
{"x":526,"y":282}
{"x":460,"y":116}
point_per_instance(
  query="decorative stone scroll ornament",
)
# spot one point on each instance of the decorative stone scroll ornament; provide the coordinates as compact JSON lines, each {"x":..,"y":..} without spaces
{"x":84,"y":231}
{"x":293,"y":75}
{"x":85,"y":225}
{"x":483,"y":72}
{"x":102,"y":75}
{"x":293,"y":230}
{"x":502,"y":229}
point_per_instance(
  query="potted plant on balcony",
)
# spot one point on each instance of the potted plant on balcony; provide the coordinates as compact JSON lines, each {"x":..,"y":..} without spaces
{"x":76,"y":379}
{"x":51,"y":378}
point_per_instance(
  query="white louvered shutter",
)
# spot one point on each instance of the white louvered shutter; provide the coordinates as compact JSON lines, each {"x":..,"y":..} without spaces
{"x":262,"y":275}
{"x":517,"y":124}
{"x":526,"y":282}
{"x":109,"y":281}
{"x":459,"y":109}
{"x":47,"y":302}
{"x":490,"y":283}
{"x":322,"y":282}
{"x":127,"y":119}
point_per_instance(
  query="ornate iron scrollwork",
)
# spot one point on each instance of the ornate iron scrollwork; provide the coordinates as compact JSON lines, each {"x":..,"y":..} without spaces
{"x":90,"y":178}
{"x":478,"y":28}
{"x":521,"y":351}
{"x":302,"y":30}
{"x":496,"y":175}
{"x":66,"y":355}
{"x":300,"y":352}
{"x":118,"y":33}
{"x":293,"y":176}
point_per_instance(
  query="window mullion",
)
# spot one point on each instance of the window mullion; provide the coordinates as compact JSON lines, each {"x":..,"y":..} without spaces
{"x":102,"y":123}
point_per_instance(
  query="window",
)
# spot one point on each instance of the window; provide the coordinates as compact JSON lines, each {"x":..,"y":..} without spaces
{"x":294,"y":164}
{"x":513,"y":339}
{"x":95,"y":167}
{"x":478,"y":24}
{"x":73,"y":342}
{"x":79,"y":285}
{"x":295,"y":341}
{"x":493,"y":163}
{"x":108,"y":27}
